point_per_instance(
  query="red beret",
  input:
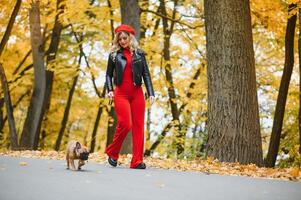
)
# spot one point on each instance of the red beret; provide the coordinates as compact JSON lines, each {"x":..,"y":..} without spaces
{"x":126,"y":28}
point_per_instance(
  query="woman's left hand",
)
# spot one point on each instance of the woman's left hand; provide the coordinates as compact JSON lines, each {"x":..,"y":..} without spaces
{"x":151,"y":99}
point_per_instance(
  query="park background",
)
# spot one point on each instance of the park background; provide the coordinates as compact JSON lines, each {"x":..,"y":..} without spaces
{"x":54,"y":55}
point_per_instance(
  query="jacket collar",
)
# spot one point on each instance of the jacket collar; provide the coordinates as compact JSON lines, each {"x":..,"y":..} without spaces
{"x":135,"y":54}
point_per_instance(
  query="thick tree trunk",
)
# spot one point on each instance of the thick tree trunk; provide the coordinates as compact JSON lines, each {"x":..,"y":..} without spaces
{"x":10,"y":26}
{"x":31,"y":130}
{"x":299,"y":51}
{"x":51,"y":55}
{"x":130,"y":14}
{"x":9,"y":110}
{"x":233,"y":116}
{"x":282,"y":94}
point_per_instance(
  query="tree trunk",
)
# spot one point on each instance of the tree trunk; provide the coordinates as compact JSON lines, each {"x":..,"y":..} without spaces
{"x":101,"y":96}
{"x":299,"y":51}
{"x":56,"y":33}
{"x":1,"y":118}
{"x":282,"y":94}
{"x":2,"y":45}
{"x":95,"y":128}
{"x":99,"y":113}
{"x":10,"y":26}
{"x":9,"y":110}
{"x":46,"y":103}
{"x":14,"y":106}
{"x":143,"y":18}
{"x":159,"y":139}
{"x":112,"y":123}
{"x":51,"y":55}
{"x":42,"y":140}
{"x":169,"y":125}
{"x":22,"y":62}
{"x":168,"y":30}
{"x":111,"y":18}
{"x":233,"y":116}
{"x":142,"y":36}
{"x":130,"y":14}
{"x":112,"y":119}
{"x":31,"y":130}
{"x":66,"y":113}
{"x":148,"y":123}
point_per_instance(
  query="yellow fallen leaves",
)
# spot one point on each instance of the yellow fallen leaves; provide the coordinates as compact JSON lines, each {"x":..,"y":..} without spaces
{"x":36,"y":154}
{"x":295,"y":172}
{"x":23,"y":164}
{"x":215,"y":167}
{"x":160,"y":185}
{"x":209,"y":166}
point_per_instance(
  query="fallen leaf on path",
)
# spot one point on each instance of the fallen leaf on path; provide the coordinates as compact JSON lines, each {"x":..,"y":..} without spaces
{"x":207,"y":166}
{"x":23,"y":164}
{"x":294,"y":172}
{"x":160,"y":185}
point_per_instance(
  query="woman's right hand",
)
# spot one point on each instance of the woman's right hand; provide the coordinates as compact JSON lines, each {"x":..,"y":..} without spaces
{"x":111,"y":95}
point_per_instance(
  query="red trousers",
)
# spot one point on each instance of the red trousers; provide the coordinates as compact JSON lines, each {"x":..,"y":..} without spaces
{"x":129,"y":106}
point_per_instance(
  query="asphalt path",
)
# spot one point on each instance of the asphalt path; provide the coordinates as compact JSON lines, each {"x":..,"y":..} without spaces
{"x":41,"y":179}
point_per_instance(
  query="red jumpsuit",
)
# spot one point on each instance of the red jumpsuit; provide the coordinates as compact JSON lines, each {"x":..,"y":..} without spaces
{"x":129,"y":107}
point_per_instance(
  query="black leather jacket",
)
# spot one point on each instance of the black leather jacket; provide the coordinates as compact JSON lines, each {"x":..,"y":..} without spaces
{"x":116,"y":66}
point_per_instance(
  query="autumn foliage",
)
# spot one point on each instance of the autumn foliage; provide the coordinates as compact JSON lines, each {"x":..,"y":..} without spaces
{"x":80,"y":63}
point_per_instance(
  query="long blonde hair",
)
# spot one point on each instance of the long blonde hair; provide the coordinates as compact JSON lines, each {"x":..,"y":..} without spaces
{"x":134,"y":45}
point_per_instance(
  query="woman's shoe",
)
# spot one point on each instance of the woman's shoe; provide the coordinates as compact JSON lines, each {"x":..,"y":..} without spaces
{"x":112,"y":162}
{"x":141,"y":166}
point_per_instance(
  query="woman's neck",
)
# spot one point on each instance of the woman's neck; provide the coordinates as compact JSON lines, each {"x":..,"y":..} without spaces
{"x":127,"y":48}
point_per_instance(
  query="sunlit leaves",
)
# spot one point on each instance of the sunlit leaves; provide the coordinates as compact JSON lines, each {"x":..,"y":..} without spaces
{"x":188,"y":54}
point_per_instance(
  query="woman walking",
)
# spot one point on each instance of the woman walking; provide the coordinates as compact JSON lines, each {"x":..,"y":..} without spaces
{"x":127,"y":67}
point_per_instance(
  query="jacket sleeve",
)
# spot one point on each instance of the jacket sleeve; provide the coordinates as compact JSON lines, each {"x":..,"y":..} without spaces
{"x":109,"y":74}
{"x":146,"y":78}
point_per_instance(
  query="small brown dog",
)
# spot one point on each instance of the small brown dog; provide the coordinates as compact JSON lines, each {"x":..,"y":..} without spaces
{"x":75,"y":151}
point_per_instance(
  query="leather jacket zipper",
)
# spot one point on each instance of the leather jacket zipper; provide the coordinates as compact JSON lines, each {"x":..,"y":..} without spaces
{"x":133,"y":68}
